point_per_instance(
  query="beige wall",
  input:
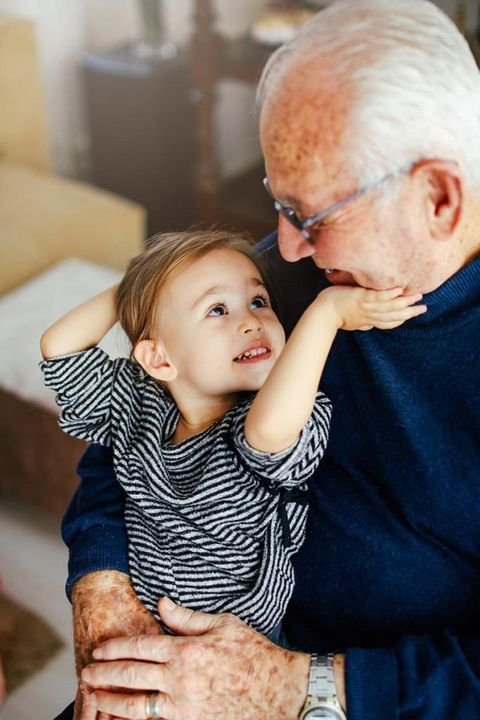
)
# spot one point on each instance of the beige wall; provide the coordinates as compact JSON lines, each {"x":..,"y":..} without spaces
{"x":60,"y":28}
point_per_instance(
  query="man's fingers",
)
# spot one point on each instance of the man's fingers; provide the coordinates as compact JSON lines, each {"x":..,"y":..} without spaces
{"x":142,"y":647}
{"x":185,"y":621}
{"x":123,"y":673}
{"x":85,"y":708}
{"x":133,"y":706}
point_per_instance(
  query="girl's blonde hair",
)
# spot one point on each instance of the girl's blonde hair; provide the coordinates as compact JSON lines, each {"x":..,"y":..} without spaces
{"x":165,"y":254}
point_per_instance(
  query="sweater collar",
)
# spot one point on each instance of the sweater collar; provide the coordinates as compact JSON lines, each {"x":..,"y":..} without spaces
{"x":450,"y":305}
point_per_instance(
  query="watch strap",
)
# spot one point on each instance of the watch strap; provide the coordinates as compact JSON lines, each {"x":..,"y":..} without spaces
{"x":322,"y":701}
{"x":321,"y":680}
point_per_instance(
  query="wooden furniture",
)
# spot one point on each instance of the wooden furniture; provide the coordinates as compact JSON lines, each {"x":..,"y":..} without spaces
{"x":474,"y":43}
{"x":38,"y":460}
{"x":142,"y":140}
{"x":241,"y":201}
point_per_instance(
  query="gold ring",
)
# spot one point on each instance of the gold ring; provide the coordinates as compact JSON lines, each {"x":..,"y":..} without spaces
{"x":152,"y":703}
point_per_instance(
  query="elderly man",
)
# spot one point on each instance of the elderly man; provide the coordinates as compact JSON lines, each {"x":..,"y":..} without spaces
{"x":370,"y":126}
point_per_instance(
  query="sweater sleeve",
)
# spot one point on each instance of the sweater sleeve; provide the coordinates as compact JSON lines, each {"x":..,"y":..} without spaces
{"x":295,"y":464}
{"x":93,"y":527}
{"x":83,"y":384}
{"x":428,"y":677}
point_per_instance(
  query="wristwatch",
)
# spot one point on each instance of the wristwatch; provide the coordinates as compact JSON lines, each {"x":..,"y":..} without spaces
{"x":321,"y":702}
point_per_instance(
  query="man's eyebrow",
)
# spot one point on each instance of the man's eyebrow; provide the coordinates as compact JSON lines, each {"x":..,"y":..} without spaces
{"x":219,"y":289}
{"x":289,"y":201}
{"x":294,"y":203}
{"x":286,"y":200}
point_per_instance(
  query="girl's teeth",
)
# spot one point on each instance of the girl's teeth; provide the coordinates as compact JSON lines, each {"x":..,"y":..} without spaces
{"x":253,"y":353}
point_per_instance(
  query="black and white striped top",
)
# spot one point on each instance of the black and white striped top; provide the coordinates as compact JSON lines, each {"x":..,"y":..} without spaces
{"x":211,"y":522}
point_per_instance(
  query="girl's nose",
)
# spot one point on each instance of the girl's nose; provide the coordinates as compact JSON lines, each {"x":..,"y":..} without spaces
{"x":251,"y":323}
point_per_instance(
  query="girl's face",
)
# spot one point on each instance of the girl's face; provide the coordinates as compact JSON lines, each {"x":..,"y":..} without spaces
{"x":218,"y":329}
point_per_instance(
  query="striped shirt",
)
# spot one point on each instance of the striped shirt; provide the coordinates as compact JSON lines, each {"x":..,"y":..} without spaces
{"x":211,"y":522}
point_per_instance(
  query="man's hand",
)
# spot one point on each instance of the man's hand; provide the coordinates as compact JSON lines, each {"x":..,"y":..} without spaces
{"x":216,"y":668}
{"x":104,"y":606}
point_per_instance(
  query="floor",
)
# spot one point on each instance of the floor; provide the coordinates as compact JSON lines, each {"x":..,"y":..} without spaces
{"x":33,"y":563}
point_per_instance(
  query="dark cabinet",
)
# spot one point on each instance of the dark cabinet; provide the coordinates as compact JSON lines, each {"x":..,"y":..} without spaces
{"x":142,"y":129}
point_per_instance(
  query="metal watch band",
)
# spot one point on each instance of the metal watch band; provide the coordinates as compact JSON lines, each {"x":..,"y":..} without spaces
{"x":321,"y":680}
{"x":322,"y":699}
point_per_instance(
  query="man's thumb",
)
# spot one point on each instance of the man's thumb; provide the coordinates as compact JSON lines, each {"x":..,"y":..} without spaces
{"x":183,"y":620}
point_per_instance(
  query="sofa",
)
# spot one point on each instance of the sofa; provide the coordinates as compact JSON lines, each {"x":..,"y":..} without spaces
{"x":44,"y":220}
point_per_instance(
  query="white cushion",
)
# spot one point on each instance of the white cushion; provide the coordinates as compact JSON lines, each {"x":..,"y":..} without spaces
{"x":27,"y":311}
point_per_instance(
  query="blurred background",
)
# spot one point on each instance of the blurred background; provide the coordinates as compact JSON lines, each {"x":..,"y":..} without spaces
{"x":154,"y":99}
{"x":119,"y":119}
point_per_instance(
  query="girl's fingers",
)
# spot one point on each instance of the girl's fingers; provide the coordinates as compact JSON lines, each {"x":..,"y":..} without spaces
{"x":397,"y":303}
{"x":389,"y":325}
{"x":375,"y":296}
{"x":388,"y":322}
{"x":396,"y":314}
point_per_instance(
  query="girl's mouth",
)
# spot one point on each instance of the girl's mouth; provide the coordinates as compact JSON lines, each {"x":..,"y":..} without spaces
{"x":254,"y":354}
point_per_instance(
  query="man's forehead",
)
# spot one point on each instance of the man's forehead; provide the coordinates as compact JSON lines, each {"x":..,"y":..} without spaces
{"x":301,"y":133}
{"x":301,"y":180}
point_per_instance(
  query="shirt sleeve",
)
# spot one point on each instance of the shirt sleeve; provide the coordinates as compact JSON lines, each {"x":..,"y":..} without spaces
{"x":427,"y":677}
{"x":83,"y":383}
{"x":295,"y":464}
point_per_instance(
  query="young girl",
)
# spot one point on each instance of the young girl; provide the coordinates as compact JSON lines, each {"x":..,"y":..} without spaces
{"x":215,"y":475}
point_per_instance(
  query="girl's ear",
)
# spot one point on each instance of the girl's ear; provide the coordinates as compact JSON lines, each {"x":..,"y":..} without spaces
{"x":152,"y":356}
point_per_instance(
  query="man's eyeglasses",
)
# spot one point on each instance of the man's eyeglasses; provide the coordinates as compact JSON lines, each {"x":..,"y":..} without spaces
{"x":304,"y":226}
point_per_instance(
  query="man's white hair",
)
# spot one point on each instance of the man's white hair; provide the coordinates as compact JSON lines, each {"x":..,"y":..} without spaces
{"x":411,"y":82}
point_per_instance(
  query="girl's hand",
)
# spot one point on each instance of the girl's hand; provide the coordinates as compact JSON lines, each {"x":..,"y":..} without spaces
{"x":356,"y":308}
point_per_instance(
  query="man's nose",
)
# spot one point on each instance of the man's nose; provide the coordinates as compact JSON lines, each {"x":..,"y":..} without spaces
{"x":293,"y":246}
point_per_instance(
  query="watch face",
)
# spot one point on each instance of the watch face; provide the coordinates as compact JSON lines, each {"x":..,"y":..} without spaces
{"x":323,"y":713}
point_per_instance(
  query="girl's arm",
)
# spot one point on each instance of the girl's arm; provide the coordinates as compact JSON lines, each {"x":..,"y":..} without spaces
{"x":81,"y":328}
{"x":285,"y":402}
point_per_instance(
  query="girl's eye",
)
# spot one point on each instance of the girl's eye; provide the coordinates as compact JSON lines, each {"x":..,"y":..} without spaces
{"x":260,"y":301}
{"x":217,"y":310}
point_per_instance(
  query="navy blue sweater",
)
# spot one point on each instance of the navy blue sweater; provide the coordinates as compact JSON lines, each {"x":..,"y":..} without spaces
{"x":390,"y":570}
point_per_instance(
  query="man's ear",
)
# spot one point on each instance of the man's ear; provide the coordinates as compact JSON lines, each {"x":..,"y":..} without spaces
{"x":153,"y":358}
{"x":444,"y":196}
